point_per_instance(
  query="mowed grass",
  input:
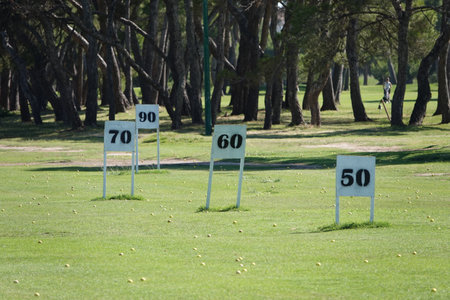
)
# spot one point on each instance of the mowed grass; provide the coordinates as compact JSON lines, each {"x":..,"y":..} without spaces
{"x":58,"y":237}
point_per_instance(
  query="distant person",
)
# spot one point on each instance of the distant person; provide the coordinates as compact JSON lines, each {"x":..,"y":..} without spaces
{"x":387,"y":85}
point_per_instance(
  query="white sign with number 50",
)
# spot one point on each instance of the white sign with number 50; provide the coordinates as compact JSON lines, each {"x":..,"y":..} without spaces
{"x":355,"y":176}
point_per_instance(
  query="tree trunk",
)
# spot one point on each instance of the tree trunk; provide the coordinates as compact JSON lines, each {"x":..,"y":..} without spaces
{"x":5,"y":79}
{"x":176,"y":62}
{"x":292,"y":84}
{"x":392,"y":74}
{"x":403,"y":17}
{"x":78,"y":78}
{"x":128,"y":93}
{"x":423,"y":91}
{"x":24,"y":86}
{"x":274,"y":81}
{"x":13,"y":94}
{"x":118,"y":103}
{"x":245,"y":93}
{"x":329,"y":102}
{"x":346,"y":79}
{"x":365,"y":74}
{"x":443,"y":82}
{"x":316,"y":86}
{"x":71,"y":116}
{"x":159,"y":70}
{"x":24,"y":110}
{"x":194,"y":62}
{"x":219,"y":80}
{"x":446,"y":106}
{"x":305,"y":103}
{"x":338,"y":71}
{"x":91,"y":69}
{"x":149,"y":95}
{"x":40,"y":81}
{"x":359,"y":112}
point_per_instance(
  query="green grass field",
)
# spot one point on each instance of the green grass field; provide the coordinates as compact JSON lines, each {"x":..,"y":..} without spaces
{"x":58,"y":237}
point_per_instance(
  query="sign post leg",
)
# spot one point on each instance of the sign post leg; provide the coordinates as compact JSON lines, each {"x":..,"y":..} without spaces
{"x":372,"y":208}
{"x":137,"y":150}
{"x":132,"y":173}
{"x":337,"y":210}
{"x":241,"y":171}
{"x":157,"y":145}
{"x":211,"y":169}
{"x":104,"y":174}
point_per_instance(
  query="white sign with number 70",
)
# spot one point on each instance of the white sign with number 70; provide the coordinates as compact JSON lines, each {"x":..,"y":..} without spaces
{"x":119,"y":136}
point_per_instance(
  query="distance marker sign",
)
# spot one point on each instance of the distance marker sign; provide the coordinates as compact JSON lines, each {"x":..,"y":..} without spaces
{"x":147,"y":117}
{"x":228,"y":142}
{"x":355,"y":176}
{"x":119,"y":136}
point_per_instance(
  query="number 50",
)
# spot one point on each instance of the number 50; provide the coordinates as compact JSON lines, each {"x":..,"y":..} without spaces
{"x":362,"y":177}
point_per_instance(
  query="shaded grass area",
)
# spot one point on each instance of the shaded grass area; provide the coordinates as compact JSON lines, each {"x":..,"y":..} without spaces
{"x":353,"y":225}
{"x":223,"y":209}
{"x":120,"y":197}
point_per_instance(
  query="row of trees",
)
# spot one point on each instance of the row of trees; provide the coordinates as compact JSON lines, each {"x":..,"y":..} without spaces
{"x":77,"y":54}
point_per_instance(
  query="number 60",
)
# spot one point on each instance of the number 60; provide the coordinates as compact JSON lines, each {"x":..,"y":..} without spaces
{"x":235,"y":141}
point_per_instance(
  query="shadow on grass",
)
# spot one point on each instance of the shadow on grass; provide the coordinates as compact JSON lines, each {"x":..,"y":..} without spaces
{"x":120,"y":197}
{"x":352,"y":225}
{"x":430,"y":154}
{"x":224,"y":209}
{"x":371,"y":131}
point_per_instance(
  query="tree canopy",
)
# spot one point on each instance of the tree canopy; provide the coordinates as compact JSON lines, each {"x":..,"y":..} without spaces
{"x":74,"y":55}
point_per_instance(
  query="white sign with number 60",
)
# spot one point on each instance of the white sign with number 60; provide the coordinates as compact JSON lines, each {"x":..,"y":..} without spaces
{"x":228,"y":142}
{"x":355,"y":176}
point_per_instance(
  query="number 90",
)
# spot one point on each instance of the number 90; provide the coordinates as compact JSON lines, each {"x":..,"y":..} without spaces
{"x":150,"y":116}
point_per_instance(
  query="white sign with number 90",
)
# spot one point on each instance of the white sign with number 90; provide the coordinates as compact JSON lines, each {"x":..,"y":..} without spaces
{"x":147,"y":116}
